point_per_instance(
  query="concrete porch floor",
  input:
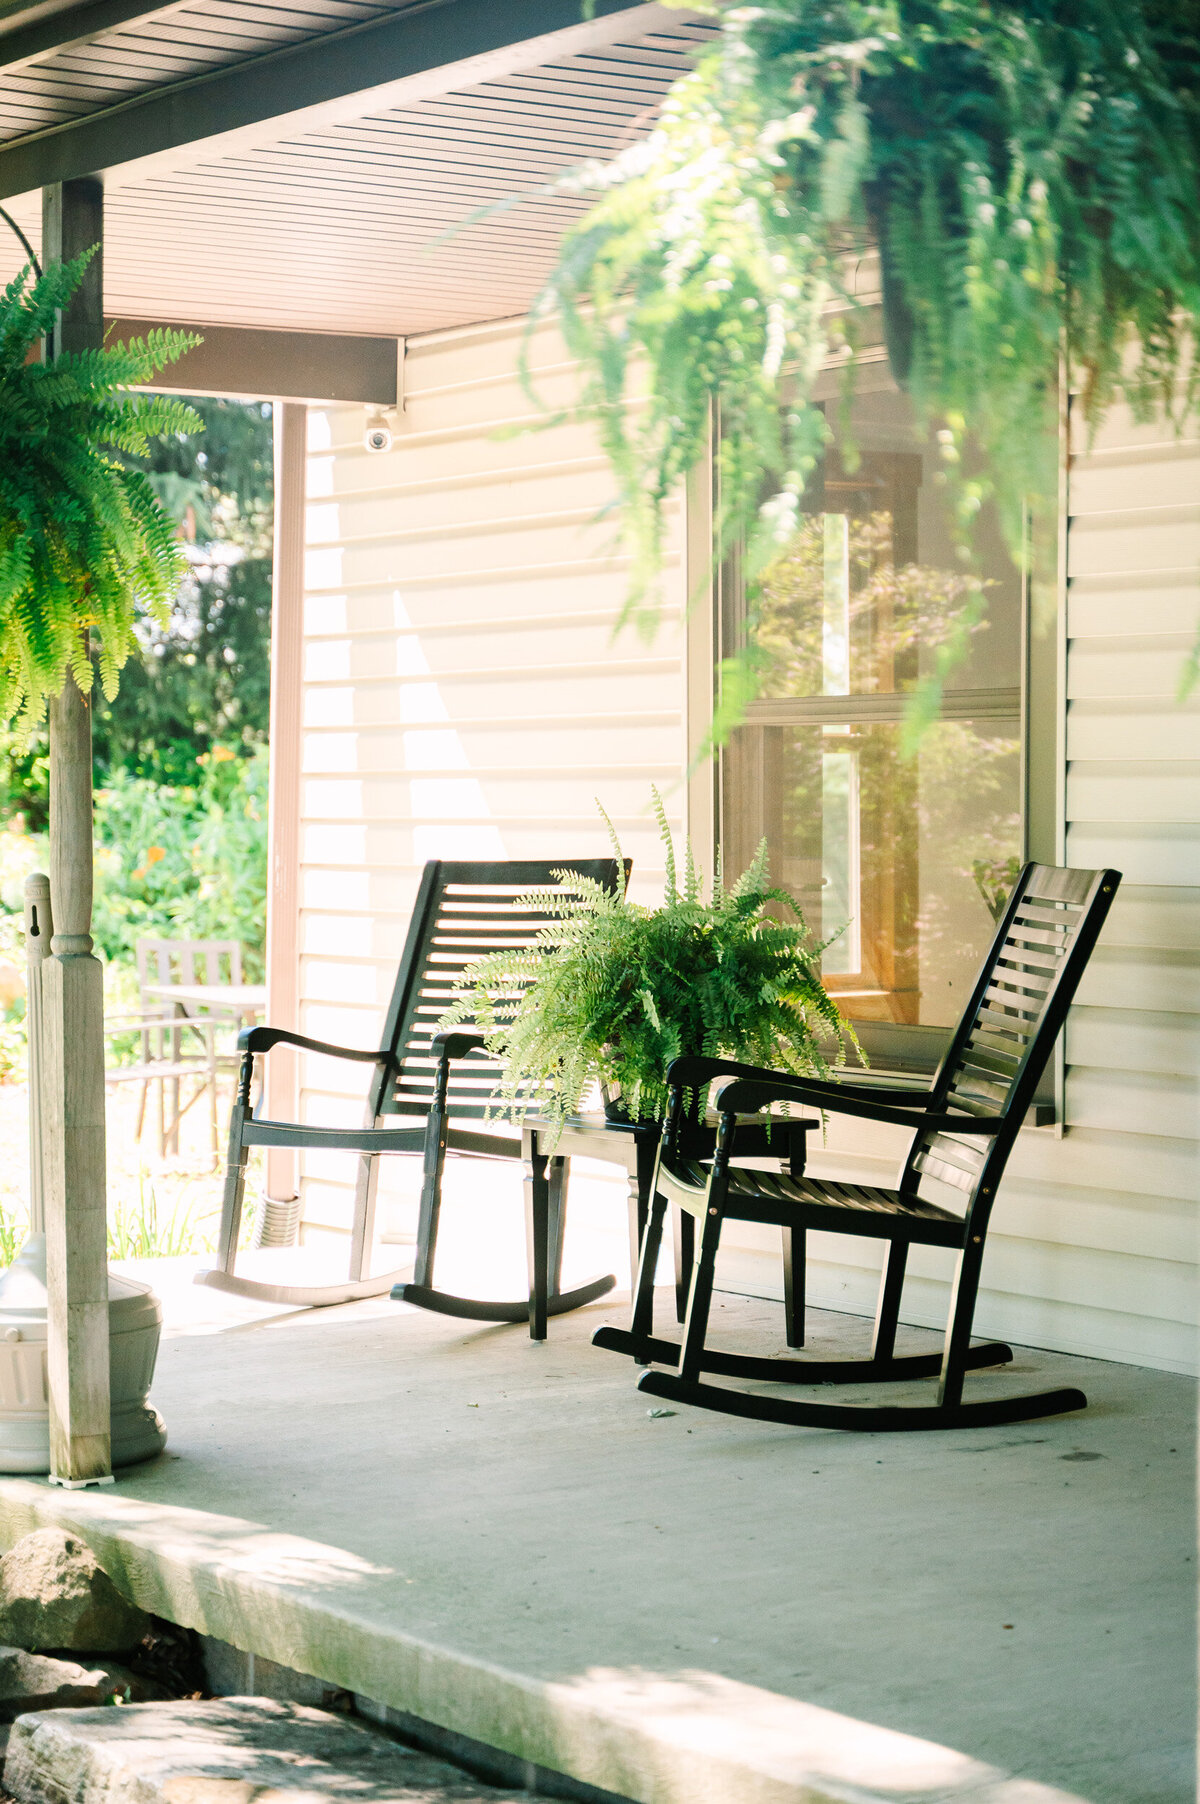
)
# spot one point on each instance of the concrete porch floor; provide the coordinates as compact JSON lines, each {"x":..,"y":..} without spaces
{"x":499,"y":1538}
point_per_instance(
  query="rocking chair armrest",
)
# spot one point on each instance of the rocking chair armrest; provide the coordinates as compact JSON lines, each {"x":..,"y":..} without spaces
{"x":262,"y":1039}
{"x":456,"y":1043}
{"x":689,"y":1072}
{"x":746,"y":1096}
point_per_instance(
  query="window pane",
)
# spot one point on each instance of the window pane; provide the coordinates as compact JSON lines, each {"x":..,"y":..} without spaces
{"x":906,"y":861}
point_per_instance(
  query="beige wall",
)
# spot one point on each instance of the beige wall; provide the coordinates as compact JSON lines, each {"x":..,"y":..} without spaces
{"x":463,"y":695}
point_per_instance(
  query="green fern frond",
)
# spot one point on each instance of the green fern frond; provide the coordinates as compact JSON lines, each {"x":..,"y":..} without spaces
{"x":85,"y":545}
{"x":612,"y":990}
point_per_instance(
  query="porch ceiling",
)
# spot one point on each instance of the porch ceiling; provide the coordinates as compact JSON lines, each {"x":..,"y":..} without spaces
{"x":333,"y":216}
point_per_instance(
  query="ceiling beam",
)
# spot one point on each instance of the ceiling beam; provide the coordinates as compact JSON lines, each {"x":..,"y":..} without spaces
{"x":429,"y":49}
{"x":257,"y":363}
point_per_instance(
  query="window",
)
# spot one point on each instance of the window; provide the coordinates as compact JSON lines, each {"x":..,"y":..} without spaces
{"x":903,"y":864}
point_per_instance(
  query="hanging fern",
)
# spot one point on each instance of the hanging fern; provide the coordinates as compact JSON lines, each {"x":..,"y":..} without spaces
{"x":614,"y":991}
{"x":84,"y":542}
{"x":1030,"y":175}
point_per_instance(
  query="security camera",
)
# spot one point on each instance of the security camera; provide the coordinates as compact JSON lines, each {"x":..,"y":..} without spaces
{"x":377,"y":435}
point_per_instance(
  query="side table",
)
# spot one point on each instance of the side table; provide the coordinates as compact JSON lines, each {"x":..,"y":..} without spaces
{"x":634,"y":1146}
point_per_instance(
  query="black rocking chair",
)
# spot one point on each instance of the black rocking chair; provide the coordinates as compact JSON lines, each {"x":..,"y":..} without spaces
{"x":964,"y":1126}
{"x":441,"y":1082}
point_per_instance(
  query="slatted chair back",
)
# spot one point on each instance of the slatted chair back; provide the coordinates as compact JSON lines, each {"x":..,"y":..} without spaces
{"x":463,"y":911}
{"x":188,"y":961}
{"x":1008,"y":1029}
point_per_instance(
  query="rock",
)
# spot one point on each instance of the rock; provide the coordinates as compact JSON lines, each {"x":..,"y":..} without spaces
{"x":54,"y":1594}
{"x":224,"y":1751}
{"x":33,"y":1682}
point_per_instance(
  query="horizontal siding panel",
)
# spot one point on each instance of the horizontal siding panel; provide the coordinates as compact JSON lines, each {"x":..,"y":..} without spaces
{"x":1127,"y":442}
{"x":405,"y":842}
{"x":1138,"y":542}
{"x":1142,"y":1102}
{"x":1142,"y":1226}
{"x":1101,"y":485}
{"x":452,"y":701}
{"x":449,"y":462}
{"x":405,"y":656}
{"x":550,"y":796}
{"x":503,"y":605}
{"x":1100,"y":611}
{"x":404,"y":512}
{"x":1107,"y":730}
{"x":1156,"y":978}
{"x":628,"y":746}
{"x":1126,"y":667}
{"x":1128,"y":791}
{"x":1150,"y":917}
{"x":1134,"y":1040}
{"x":1144,"y":854}
{"x":530,"y":545}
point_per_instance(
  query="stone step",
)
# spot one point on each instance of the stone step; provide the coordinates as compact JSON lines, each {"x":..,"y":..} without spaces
{"x":224,"y":1751}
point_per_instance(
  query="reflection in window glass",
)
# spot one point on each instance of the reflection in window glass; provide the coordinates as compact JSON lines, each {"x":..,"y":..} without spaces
{"x":906,"y":860}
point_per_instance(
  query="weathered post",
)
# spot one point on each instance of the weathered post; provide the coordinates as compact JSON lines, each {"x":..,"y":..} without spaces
{"x":72,"y":1102}
{"x":39,"y":928}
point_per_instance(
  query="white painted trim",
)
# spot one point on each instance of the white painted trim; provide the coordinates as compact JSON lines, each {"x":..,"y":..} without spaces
{"x":283,"y":888}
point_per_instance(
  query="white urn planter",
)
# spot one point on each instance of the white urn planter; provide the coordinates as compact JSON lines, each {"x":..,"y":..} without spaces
{"x":135,"y":1324}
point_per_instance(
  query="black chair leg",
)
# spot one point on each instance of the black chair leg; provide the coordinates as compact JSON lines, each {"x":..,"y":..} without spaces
{"x":958,"y":1329}
{"x":700,"y":1299}
{"x":794,"y":1273}
{"x":537,"y":1237}
{"x":887,"y":1311}
{"x":642,"y":1316}
{"x":427,"y":1227}
{"x":559,"y":1177}
{"x":684,"y":1236}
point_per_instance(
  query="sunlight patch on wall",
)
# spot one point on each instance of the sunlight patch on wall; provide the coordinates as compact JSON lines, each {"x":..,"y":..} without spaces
{"x":420,"y":701}
{"x":324,"y":614}
{"x":447,"y":798}
{"x":457,"y":842}
{"x":331,"y":753}
{"x":434,"y":751}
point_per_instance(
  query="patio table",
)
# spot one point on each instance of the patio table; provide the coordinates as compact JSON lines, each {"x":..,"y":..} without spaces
{"x":634,"y":1146}
{"x":242,"y":999}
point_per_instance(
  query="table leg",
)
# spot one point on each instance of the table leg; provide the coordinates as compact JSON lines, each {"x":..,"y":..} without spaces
{"x":537,"y":1228}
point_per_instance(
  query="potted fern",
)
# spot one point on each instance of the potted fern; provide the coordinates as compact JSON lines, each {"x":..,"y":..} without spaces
{"x":613,"y":991}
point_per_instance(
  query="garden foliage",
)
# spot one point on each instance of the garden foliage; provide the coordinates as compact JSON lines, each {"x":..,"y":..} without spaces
{"x":614,"y":991}
{"x":184,"y":861}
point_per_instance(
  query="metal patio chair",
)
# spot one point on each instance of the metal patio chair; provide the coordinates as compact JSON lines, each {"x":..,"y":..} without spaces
{"x":439,"y":1083}
{"x":964,"y":1127}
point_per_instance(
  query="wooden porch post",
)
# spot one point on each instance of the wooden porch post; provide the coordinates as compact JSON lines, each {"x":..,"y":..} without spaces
{"x":283,"y":897}
{"x":73,"y":987}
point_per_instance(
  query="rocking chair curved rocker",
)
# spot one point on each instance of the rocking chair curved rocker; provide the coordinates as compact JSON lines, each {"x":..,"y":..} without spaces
{"x":440,"y":1082}
{"x":964,"y":1127}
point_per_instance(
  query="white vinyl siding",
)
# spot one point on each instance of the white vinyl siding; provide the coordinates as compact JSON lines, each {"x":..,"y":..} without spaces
{"x":464,"y":695}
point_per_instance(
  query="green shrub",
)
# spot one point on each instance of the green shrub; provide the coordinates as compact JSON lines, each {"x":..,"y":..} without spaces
{"x":184,"y":861}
